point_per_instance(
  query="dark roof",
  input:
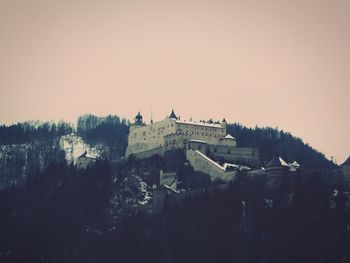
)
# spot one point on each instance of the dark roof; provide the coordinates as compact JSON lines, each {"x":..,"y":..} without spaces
{"x":172,"y":115}
{"x":347,"y":161}
{"x":138,"y":114}
{"x":276,"y":162}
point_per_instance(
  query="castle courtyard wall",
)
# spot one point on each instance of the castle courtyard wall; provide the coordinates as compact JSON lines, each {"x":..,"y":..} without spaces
{"x":143,"y":138}
{"x":202,"y":163}
{"x":242,"y":155}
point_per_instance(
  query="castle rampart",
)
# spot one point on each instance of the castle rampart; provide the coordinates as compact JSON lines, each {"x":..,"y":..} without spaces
{"x":199,"y":140}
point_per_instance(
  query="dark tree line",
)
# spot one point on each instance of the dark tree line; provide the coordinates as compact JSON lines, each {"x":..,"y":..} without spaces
{"x":47,"y":220}
{"x":111,"y":130}
{"x":29,"y":131}
{"x":61,"y":215}
{"x":272,"y":141}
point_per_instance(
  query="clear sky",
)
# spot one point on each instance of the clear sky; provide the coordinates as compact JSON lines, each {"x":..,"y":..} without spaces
{"x":283,"y":64}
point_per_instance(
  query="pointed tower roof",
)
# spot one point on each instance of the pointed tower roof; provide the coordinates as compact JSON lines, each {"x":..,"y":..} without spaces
{"x":172,"y":115}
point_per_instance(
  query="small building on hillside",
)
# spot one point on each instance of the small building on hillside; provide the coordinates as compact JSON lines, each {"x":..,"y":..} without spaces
{"x":276,"y":166}
{"x":84,"y":160}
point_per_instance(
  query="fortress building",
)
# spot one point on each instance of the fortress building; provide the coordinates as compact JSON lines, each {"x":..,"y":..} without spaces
{"x":201,"y":141}
{"x":172,"y":133}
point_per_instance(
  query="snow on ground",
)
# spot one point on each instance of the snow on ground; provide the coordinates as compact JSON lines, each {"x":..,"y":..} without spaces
{"x":146,"y":194}
{"x":236,"y":167}
{"x":74,"y":146}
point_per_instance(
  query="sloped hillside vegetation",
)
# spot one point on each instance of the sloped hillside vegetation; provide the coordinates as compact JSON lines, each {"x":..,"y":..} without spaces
{"x":271,"y":142}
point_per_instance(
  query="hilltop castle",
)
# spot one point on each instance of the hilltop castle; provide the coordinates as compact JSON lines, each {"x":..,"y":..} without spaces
{"x":199,"y":140}
{"x":172,"y":133}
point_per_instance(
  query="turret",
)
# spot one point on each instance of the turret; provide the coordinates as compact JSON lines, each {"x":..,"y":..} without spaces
{"x":138,"y":119}
{"x":173,"y":115}
{"x":224,"y":125}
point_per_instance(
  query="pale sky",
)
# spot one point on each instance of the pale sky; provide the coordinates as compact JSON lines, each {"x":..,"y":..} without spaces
{"x":283,"y":64}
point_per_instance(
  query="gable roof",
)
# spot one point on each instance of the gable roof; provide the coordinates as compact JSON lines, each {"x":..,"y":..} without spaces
{"x":229,"y":136}
{"x":276,"y":162}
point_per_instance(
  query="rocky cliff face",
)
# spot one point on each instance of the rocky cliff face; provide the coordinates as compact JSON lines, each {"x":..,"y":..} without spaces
{"x":18,"y":161}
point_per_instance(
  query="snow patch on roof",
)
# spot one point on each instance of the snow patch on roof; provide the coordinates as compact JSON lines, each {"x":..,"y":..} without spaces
{"x":283,"y":162}
{"x":214,"y":125}
{"x":236,"y":166}
{"x":229,"y":136}
{"x":196,"y":141}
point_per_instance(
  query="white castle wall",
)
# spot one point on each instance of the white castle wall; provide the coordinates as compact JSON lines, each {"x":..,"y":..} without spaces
{"x":149,"y":153}
{"x":172,"y":134}
{"x":200,"y":162}
{"x":143,"y":138}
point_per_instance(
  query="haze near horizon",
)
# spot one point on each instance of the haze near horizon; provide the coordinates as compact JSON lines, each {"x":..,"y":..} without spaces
{"x":272,"y":63}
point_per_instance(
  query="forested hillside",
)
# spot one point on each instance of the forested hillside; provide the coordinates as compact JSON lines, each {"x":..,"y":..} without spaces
{"x":272,"y":141}
{"x":102,"y":214}
{"x":32,"y":130}
{"x":110,"y":135}
{"x":65,"y":215}
{"x":109,"y":130}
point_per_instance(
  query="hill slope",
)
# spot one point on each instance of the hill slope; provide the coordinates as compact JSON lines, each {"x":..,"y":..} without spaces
{"x":271,"y":142}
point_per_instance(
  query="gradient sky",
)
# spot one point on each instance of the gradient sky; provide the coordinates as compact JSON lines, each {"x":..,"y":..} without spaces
{"x":283,"y":64}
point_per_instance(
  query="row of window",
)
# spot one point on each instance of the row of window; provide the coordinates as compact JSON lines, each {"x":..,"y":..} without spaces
{"x":201,"y":128}
{"x":199,"y":133}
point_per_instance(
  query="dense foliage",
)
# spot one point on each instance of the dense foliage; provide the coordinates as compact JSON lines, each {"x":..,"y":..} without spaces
{"x":43,"y":221}
{"x":29,"y":131}
{"x":297,"y":222}
{"x":272,"y":141}
{"x":109,"y":130}
{"x":62,"y":215}
{"x":113,"y":131}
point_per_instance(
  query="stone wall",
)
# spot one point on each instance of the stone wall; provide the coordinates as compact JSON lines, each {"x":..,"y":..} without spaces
{"x":210,"y":133}
{"x":172,"y":134}
{"x":149,"y":153}
{"x":168,"y":178}
{"x":239,"y":155}
{"x":202,"y":163}
{"x":143,"y":138}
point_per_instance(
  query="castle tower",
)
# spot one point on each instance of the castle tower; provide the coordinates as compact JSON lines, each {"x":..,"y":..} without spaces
{"x":224,"y":125}
{"x":173,"y":115}
{"x":138,"y":119}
